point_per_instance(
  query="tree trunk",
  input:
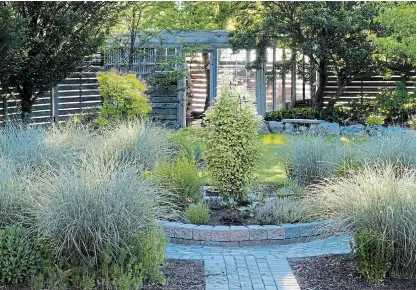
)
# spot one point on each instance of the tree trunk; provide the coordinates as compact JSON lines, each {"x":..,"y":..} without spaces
{"x":323,"y":77}
{"x":341,"y":86}
{"x":26,"y":95}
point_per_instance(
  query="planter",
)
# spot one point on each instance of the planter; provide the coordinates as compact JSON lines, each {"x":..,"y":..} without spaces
{"x":252,"y":235}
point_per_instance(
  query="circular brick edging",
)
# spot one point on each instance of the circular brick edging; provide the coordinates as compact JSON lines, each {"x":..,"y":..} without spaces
{"x":252,"y":235}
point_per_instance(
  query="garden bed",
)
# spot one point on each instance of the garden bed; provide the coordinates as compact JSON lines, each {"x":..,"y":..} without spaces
{"x":338,"y":272}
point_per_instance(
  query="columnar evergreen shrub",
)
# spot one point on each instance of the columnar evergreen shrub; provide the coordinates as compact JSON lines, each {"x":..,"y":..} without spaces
{"x":123,"y":98}
{"x":232,"y":142}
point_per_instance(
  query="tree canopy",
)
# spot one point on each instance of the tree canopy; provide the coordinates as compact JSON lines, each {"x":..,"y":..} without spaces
{"x":46,"y":41}
{"x":332,"y":34}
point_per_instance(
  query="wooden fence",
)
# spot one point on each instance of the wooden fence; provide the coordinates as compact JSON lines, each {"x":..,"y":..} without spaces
{"x":75,"y":95}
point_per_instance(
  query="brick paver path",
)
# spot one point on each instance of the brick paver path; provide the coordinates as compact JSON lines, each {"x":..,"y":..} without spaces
{"x":255,"y":267}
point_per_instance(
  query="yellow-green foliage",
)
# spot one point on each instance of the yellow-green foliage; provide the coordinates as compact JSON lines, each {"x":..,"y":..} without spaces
{"x":374,"y":120}
{"x":232,"y":142}
{"x":123,"y":98}
{"x":180,"y":177}
{"x":372,"y":255}
{"x":197,"y":214}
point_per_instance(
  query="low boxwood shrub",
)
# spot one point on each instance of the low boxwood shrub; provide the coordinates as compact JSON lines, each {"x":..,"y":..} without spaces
{"x":381,"y":198}
{"x":22,"y":255}
{"x":197,"y":214}
{"x":232,"y":143}
{"x":372,"y":255}
{"x":179,"y":177}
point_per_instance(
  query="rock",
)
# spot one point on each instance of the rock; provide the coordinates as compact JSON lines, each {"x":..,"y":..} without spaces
{"x":394,"y":130}
{"x":328,"y":128}
{"x":302,"y":129}
{"x":263,"y":128}
{"x":376,"y":130}
{"x":275,"y":127}
{"x":289,"y":128}
{"x":353,"y":130}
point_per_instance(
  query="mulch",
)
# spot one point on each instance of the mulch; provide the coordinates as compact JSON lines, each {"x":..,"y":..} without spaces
{"x":338,"y":272}
{"x":220,"y":217}
{"x":182,"y":275}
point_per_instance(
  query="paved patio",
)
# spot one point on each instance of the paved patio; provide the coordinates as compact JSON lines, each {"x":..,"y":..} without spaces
{"x":255,"y":267}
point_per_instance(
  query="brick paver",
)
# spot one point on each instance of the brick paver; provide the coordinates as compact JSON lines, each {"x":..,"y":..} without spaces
{"x":255,"y":268}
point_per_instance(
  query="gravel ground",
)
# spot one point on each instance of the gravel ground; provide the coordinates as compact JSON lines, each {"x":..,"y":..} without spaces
{"x":337,"y":272}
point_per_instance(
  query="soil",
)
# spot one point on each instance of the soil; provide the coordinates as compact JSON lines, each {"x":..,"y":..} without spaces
{"x":221,"y":217}
{"x":338,"y":272}
{"x":180,"y":275}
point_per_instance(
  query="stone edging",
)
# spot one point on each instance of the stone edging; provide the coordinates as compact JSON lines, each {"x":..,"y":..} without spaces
{"x":252,"y":235}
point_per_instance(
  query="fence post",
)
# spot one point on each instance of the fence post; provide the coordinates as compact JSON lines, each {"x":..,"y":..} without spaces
{"x":214,"y":63}
{"x":4,"y":109}
{"x":274,"y":80}
{"x":55,"y":104}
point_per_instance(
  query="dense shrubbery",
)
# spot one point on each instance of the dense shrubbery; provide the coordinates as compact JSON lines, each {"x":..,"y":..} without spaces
{"x":83,"y":193}
{"x":123,"y":98}
{"x":231,"y":144}
{"x":381,"y":198}
{"x":22,"y":255}
{"x":396,"y":105}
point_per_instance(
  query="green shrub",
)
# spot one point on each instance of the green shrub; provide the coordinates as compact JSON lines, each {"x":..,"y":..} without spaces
{"x":293,"y":113}
{"x":123,"y":98}
{"x":82,"y":209}
{"x":22,"y":255}
{"x":189,"y":142}
{"x":197,"y":214}
{"x":372,"y":255}
{"x":412,"y":122}
{"x":232,"y":142}
{"x":397,"y":104}
{"x":380,"y":198}
{"x":373,"y":120}
{"x":311,"y":158}
{"x":179,"y":177}
{"x":282,"y":210}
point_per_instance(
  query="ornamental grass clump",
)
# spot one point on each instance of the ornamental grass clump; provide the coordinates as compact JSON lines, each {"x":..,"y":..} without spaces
{"x":311,"y":158}
{"x":138,"y":142}
{"x":14,"y":202}
{"x":180,"y":177}
{"x":399,"y":150}
{"x":232,"y":143}
{"x":84,"y":209}
{"x":381,"y":198}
